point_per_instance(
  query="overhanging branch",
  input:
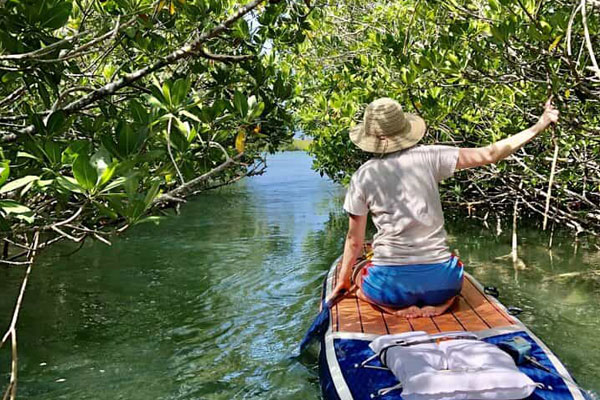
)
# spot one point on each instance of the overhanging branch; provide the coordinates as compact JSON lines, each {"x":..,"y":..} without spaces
{"x":190,"y":184}
{"x":184,"y":51}
{"x":225,"y":57}
{"x":39,"y":53}
{"x":175,"y":56}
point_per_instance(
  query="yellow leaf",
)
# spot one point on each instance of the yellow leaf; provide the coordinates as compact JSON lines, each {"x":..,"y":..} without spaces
{"x":181,"y":1}
{"x":161,"y":5}
{"x":555,"y":43}
{"x":172,"y":8}
{"x":567,"y":93}
{"x":240,"y":141}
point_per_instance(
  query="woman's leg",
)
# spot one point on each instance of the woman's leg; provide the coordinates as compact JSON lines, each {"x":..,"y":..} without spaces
{"x":397,"y":298}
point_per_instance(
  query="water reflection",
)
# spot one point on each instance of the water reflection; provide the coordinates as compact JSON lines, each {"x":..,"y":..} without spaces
{"x":558,"y":294}
{"x":211,"y":303}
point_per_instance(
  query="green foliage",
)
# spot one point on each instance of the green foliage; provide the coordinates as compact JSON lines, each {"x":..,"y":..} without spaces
{"x":476,"y":72}
{"x":298,"y":145}
{"x":106,"y":163}
{"x":100,"y":111}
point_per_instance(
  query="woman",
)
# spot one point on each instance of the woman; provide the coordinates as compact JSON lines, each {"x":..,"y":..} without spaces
{"x":412,"y":273}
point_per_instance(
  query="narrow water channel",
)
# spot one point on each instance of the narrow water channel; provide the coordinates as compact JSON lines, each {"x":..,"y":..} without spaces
{"x":212,"y":303}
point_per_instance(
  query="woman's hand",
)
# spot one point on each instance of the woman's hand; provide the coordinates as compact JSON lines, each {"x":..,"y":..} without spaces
{"x":338,"y":291}
{"x":550,"y":116}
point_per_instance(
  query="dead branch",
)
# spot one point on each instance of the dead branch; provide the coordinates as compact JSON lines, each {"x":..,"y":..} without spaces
{"x":550,"y":180}
{"x":13,"y":96}
{"x":11,"y":390}
{"x":588,"y":41}
{"x":225,"y":57}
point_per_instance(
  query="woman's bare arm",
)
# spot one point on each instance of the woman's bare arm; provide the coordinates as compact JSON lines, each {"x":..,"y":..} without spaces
{"x":352,"y":248}
{"x":475,"y":157}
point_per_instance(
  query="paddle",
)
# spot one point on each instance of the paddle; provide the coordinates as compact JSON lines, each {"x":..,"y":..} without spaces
{"x":321,"y":323}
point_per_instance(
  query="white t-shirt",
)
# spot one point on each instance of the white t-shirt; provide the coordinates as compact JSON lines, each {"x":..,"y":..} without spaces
{"x":401,"y":192}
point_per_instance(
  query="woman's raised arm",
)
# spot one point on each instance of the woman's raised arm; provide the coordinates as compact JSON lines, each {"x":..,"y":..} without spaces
{"x":475,"y":157}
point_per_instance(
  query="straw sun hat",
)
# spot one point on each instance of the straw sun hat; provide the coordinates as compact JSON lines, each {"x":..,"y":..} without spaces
{"x":386,"y":128}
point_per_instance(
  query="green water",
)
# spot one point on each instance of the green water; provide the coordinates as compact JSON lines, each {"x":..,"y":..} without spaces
{"x":212,"y":303}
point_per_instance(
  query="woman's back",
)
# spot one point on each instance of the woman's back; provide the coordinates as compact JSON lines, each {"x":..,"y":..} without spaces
{"x":401,"y":192}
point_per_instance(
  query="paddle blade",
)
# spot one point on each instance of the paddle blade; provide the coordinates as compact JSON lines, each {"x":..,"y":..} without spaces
{"x":321,"y":323}
{"x":317,"y":328}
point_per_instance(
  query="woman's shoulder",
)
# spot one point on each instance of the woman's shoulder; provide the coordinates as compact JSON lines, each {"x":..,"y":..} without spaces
{"x":431,"y":151}
{"x":362,"y":169}
{"x":427,"y":148}
{"x":432,"y":148}
{"x":366,"y":168}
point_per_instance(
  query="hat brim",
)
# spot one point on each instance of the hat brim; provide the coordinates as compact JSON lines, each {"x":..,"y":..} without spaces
{"x":390,"y":144}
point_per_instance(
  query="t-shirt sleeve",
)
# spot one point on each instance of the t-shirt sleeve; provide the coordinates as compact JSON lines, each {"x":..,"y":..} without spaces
{"x":443,"y":160}
{"x":355,"y":202}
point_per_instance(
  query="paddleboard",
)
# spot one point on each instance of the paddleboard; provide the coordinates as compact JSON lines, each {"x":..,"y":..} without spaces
{"x":354,"y":323}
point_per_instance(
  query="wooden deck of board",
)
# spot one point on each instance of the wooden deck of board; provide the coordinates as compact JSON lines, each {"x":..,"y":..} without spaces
{"x":473,"y":311}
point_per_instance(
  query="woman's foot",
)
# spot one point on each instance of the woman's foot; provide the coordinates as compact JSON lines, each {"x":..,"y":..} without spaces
{"x":434,"y":311}
{"x":409,"y":312}
{"x":412,"y":311}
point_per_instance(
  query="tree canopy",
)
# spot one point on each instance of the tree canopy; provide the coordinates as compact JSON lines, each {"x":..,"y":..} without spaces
{"x":111,"y":108}
{"x":476,"y":71}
